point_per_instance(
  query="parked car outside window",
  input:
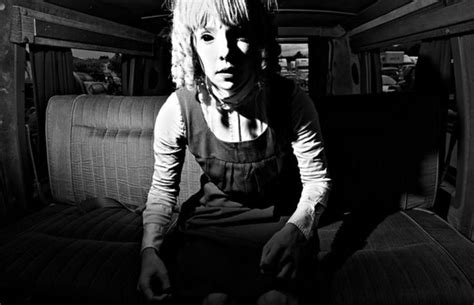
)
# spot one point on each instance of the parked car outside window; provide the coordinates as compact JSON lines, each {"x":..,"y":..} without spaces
{"x":389,"y":84}
{"x":87,"y":85}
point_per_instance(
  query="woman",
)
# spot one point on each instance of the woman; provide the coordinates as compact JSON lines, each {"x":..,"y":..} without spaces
{"x":247,"y":234}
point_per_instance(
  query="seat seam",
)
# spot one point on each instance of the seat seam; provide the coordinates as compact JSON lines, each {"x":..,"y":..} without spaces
{"x":440,"y":246}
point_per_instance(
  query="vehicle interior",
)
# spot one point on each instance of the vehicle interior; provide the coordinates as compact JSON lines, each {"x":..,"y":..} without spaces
{"x":392,"y":81}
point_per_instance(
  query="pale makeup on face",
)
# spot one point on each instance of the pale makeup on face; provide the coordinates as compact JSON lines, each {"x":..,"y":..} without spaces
{"x":225,"y":55}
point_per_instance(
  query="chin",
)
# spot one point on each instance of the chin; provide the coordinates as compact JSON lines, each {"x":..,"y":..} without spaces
{"x":225,"y":85}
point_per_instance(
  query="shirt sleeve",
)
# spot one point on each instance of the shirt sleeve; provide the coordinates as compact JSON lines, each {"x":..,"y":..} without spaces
{"x":309,"y":151}
{"x":169,"y":151}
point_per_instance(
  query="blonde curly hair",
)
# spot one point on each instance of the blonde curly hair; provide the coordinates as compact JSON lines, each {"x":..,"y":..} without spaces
{"x":190,"y":15}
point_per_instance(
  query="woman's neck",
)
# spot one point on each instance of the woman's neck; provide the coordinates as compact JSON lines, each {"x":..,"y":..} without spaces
{"x":230,"y":100}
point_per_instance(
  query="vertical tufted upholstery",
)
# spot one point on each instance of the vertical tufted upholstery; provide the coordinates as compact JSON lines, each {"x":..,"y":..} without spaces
{"x":101,"y":146}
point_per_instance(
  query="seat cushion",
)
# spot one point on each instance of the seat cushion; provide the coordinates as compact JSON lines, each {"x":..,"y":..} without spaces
{"x":63,"y":252}
{"x":409,"y":257}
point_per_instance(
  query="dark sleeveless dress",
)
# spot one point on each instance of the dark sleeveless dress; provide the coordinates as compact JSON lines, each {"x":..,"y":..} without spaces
{"x":248,"y":191}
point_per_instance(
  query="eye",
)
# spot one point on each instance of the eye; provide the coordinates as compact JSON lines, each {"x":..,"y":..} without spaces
{"x":244,"y":39}
{"x":206,"y":37}
{"x":240,"y":34}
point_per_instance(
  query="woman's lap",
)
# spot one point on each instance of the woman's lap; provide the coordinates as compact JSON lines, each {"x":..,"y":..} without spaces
{"x":222,"y":257}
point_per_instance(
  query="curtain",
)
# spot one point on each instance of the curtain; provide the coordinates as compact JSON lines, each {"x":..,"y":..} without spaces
{"x":434,"y":76}
{"x":148,"y":75}
{"x":461,"y":211}
{"x":318,"y":52}
{"x":434,"y":72}
{"x":370,"y":72}
{"x":342,"y":80}
{"x":3,"y":194}
{"x":52,"y":71}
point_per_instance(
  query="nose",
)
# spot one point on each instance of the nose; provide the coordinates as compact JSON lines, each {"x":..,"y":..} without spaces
{"x":223,"y":46}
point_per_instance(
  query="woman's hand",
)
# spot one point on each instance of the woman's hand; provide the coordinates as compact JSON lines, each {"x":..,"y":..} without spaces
{"x":153,"y":282}
{"x":283,"y":253}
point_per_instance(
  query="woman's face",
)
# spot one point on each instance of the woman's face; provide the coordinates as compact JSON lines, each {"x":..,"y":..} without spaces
{"x":225,"y":55}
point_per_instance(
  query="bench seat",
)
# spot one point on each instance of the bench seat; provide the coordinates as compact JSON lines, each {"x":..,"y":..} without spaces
{"x":62,"y":253}
{"x":412,"y":257}
{"x":385,"y":246}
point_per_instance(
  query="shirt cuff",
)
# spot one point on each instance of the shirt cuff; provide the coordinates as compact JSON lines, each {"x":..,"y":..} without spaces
{"x":303,"y":218}
{"x":153,"y":235}
{"x":306,"y":217}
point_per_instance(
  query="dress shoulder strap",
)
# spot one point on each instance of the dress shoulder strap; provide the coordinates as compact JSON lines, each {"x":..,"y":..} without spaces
{"x":191,"y":112}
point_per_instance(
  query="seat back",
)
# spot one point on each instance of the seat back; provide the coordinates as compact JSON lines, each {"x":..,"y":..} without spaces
{"x":382,"y":150}
{"x":102,"y":146}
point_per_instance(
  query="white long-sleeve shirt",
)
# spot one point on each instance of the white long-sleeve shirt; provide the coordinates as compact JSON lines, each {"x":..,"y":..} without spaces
{"x":169,"y":145}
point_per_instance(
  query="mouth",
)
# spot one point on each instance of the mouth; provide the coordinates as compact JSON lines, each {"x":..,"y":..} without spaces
{"x":228,"y":74}
{"x":227,"y":70}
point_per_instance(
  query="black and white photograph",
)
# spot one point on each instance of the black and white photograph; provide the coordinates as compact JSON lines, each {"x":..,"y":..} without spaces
{"x":237,"y":152}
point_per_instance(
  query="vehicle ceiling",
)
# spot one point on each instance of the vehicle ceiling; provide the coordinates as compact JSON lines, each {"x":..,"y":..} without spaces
{"x":152,"y":15}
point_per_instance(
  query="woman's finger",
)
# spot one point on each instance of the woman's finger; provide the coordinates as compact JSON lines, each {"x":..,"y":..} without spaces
{"x":293,"y":274}
{"x":286,"y":271}
{"x":148,"y":292}
{"x":264,"y":256}
{"x":285,"y":258}
{"x":161,"y":297}
{"x":164,"y":279}
{"x":269,"y":261}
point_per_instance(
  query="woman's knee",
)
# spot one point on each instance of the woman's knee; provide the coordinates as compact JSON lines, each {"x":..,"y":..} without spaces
{"x":217,"y":298}
{"x":275,"y":297}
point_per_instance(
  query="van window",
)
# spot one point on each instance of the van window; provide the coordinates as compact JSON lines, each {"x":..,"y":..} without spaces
{"x":97,"y":72}
{"x":294,"y":63}
{"x":398,"y":67}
